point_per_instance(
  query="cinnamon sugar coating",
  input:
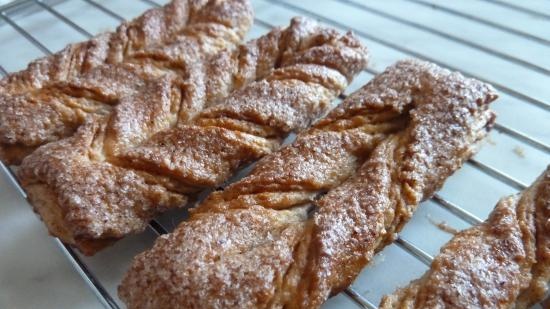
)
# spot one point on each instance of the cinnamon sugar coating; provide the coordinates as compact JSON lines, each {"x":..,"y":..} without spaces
{"x":503,"y":262}
{"x":341,"y":190}
{"x":55,"y":95}
{"x":176,"y":136}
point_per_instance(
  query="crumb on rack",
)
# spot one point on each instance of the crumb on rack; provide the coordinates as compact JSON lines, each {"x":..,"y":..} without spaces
{"x":519,"y":151}
{"x":380,"y":258}
{"x":442,"y":225}
{"x":490,"y":141}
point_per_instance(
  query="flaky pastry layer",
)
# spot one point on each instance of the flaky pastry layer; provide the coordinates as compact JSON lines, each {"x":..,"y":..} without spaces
{"x":309,"y":217}
{"x":155,"y":150}
{"x":503,"y":262}
{"x":55,"y":95}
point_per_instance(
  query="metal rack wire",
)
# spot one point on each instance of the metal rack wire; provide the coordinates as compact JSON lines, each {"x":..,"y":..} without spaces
{"x":8,"y":12}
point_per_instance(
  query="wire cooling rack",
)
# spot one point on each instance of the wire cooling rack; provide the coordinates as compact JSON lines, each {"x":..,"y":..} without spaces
{"x":474,"y":37}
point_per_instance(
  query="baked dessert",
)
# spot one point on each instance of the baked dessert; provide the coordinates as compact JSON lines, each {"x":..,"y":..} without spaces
{"x":156,"y":149}
{"x":503,"y":262}
{"x":52,"y":97}
{"x":309,"y":217}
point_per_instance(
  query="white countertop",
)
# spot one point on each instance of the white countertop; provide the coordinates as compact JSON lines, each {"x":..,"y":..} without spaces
{"x":34,"y":272}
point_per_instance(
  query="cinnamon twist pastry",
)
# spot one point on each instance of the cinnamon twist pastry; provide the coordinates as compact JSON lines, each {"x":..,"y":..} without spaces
{"x":151,"y":154}
{"x":52,"y":97}
{"x":503,"y":262}
{"x":309,"y":217}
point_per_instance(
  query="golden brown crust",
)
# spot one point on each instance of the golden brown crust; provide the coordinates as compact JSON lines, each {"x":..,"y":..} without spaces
{"x":360,"y":172}
{"x":503,"y":262}
{"x":52,"y":97}
{"x":156,"y":148}
{"x":243,"y":238}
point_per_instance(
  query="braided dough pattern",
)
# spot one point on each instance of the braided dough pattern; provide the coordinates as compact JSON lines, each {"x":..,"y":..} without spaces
{"x":151,"y":153}
{"x":309,"y":217}
{"x":503,"y":262}
{"x":52,"y":97}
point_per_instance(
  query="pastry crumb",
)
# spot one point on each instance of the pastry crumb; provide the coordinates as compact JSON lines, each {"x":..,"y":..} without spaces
{"x":380,"y":258}
{"x":442,"y":225}
{"x":490,"y":141}
{"x":519,"y":151}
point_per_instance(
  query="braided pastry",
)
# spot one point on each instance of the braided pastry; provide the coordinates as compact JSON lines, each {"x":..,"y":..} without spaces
{"x":150,"y":154}
{"x":52,"y":97}
{"x":309,"y":217}
{"x":503,"y":262}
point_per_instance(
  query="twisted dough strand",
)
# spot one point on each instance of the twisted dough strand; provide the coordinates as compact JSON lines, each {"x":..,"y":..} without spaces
{"x":156,"y":148}
{"x":52,"y":97}
{"x":309,"y":217}
{"x":503,"y":262}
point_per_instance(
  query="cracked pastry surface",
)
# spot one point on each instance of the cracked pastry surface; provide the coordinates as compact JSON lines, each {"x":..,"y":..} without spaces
{"x":503,"y":262}
{"x":309,"y":217}
{"x":155,"y":150}
{"x":55,"y":95}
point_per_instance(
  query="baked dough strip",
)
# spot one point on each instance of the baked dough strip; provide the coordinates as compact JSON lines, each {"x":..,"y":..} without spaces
{"x":309,"y":217}
{"x":54,"y":95}
{"x":156,"y":149}
{"x":503,"y":262}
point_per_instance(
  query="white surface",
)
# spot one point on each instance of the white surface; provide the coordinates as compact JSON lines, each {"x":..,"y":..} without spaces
{"x":35,"y":274}
{"x":33,"y":271}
